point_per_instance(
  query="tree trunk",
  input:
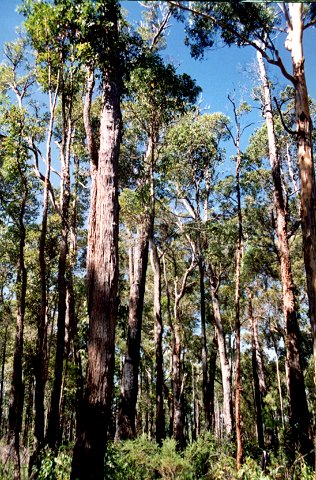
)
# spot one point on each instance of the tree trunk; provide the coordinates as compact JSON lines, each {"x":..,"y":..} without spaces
{"x":212,"y":372}
{"x":258,"y":396}
{"x":205,"y":384}
{"x":3,"y":359}
{"x":239,"y":452}
{"x":176,"y":380}
{"x":52,"y":436}
{"x":305,"y":158}
{"x":40,"y":368}
{"x":102,"y":272}
{"x":28,"y":418}
{"x":167,"y":391}
{"x":298,"y":409}
{"x":17,"y":387}
{"x":225,"y":368}
{"x":275,"y":345}
{"x":138,"y":267}
{"x":158,"y":332}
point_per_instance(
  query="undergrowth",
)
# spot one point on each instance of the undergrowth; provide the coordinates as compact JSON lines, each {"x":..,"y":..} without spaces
{"x":142,"y":459}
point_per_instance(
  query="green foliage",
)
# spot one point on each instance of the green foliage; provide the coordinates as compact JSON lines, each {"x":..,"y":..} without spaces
{"x":157,"y":94}
{"x":205,"y":459}
{"x":54,"y":467}
{"x":233,"y":22}
{"x":131,"y":460}
{"x":171,"y":465}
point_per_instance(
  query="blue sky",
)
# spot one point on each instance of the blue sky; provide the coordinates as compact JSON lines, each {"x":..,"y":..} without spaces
{"x":221,"y":72}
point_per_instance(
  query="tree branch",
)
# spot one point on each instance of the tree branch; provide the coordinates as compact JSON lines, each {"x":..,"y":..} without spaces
{"x":241,"y":37}
{"x":288,"y":130}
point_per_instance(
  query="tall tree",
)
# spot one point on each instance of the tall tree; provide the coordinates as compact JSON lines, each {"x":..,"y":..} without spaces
{"x":102,"y":261}
{"x":252,"y":25}
{"x":15,"y":156}
{"x":197,"y":138}
{"x":158,"y":95}
{"x":299,"y":415}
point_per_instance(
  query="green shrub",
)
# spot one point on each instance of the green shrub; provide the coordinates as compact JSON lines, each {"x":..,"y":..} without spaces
{"x":131,"y":460}
{"x":55,"y":467}
{"x":201,"y":454}
{"x":171,"y":464}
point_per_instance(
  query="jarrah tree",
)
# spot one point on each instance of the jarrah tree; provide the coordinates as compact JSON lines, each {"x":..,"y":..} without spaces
{"x":102,"y":261}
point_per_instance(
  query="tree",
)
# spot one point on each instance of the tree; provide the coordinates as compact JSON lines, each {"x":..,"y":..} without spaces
{"x":252,"y":25}
{"x":102,"y":261}
{"x":197,"y":138}
{"x":299,"y":415}
{"x":157,"y":96}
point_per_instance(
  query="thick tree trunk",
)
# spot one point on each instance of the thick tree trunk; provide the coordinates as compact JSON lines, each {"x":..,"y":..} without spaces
{"x":225,"y":368}
{"x":306,"y":163}
{"x":158,"y":332}
{"x":255,"y":369}
{"x":298,"y":409}
{"x":138,"y":268}
{"x":102,"y":273}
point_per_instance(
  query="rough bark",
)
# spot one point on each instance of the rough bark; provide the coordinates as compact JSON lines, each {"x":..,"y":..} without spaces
{"x":102,"y":272}
{"x":158,"y":332}
{"x":298,"y":409}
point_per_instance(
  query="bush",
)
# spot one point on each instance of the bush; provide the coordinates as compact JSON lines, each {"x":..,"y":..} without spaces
{"x":201,"y":454}
{"x":131,"y":460}
{"x":172,"y":465}
{"x":55,"y":467}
